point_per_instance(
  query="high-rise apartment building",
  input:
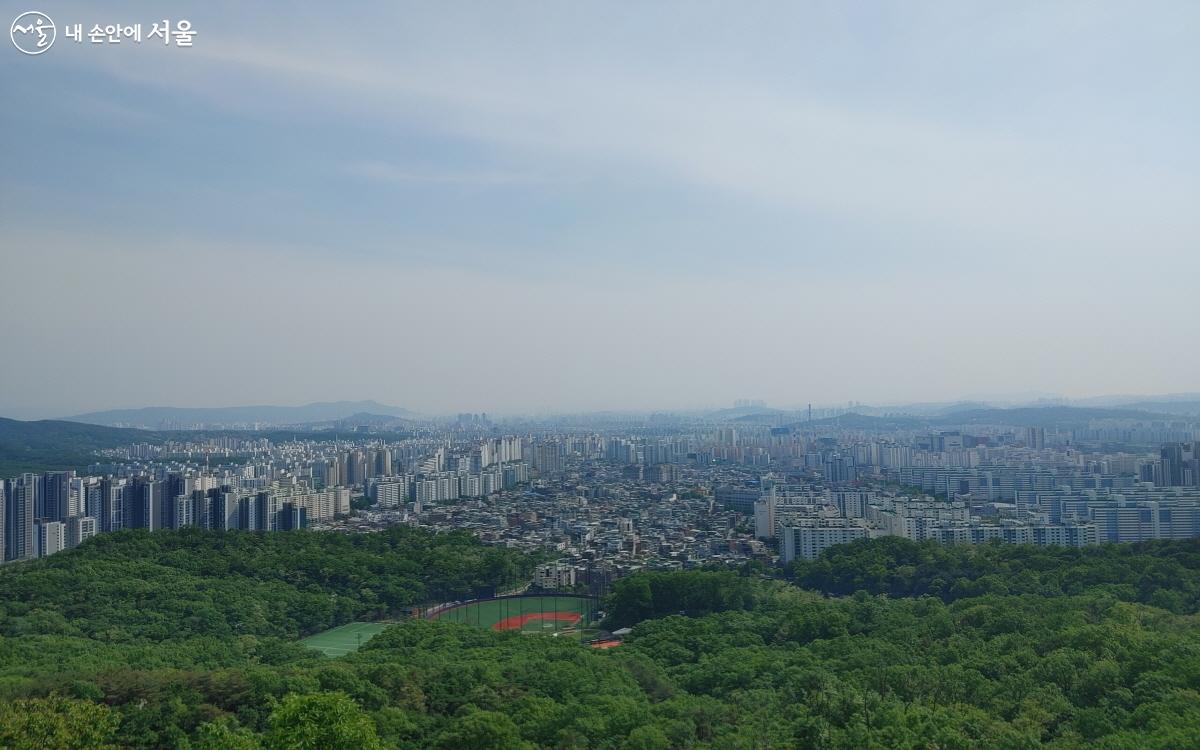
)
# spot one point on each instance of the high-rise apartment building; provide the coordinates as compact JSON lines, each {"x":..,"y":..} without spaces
{"x":1035,"y":438}
{"x":21,"y":499}
{"x":111,"y":511}
{"x":1180,"y":464}
{"x":79,"y":529}
{"x":56,"y":490}
{"x":51,"y":537}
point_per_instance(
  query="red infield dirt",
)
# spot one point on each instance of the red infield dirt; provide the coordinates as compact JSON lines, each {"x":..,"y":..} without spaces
{"x":516,"y":621}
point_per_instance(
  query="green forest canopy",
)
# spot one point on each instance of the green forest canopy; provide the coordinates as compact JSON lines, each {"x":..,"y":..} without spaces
{"x":185,"y":640}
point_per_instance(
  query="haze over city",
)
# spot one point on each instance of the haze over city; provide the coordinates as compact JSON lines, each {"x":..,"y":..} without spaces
{"x":512,"y":375}
{"x":535,"y":208}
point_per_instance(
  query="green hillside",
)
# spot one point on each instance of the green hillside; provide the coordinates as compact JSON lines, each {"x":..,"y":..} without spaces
{"x":54,"y":444}
{"x":48,"y":444}
{"x":188,"y":640}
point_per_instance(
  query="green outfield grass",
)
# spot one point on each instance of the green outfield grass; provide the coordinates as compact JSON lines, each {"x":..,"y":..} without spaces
{"x":529,"y":614}
{"x":344,"y":639}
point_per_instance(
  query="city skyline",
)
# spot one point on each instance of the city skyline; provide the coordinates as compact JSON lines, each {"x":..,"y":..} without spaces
{"x":807,"y":486}
{"x":571,"y":209}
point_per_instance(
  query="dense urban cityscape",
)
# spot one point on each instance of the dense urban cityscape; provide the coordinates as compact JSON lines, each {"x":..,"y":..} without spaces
{"x":665,"y":493}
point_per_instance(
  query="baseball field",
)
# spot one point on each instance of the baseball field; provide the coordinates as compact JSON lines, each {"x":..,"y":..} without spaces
{"x":551,"y":614}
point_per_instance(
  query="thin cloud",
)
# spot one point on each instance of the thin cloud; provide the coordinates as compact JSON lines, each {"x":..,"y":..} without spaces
{"x":391,"y":173}
{"x":789,"y":150}
{"x":896,"y":206}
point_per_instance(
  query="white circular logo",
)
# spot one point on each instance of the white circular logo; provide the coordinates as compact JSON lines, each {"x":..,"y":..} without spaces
{"x":33,"y":32}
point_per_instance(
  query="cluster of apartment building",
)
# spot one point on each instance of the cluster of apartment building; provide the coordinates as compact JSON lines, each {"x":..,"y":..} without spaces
{"x":806,"y":523}
{"x":259,"y":485}
{"x":423,"y":489}
{"x":46,"y":513}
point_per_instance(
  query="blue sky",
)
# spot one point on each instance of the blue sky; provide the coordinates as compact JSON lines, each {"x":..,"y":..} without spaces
{"x":542,"y":206}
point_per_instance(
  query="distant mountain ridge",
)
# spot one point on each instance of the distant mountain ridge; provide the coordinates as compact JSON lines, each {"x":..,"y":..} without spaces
{"x":1023,"y":416}
{"x":175,"y":417}
{"x":1189,"y":408}
{"x":746,"y":412}
{"x":1045,"y":416}
{"x":855,"y":421}
{"x":1101,"y":407}
{"x":1128,"y":401}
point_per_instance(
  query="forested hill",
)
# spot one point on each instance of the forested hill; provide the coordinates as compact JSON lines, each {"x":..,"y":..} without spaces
{"x":185,"y":640}
{"x":1161,"y":573}
{"x":50,"y":444}
{"x":56,"y":445}
{"x":134,"y":586}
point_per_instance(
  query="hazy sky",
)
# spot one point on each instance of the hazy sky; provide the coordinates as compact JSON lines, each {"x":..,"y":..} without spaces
{"x":510,"y":206}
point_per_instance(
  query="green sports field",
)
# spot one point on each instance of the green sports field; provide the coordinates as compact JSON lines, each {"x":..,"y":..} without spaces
{"x":344,"y":639}
{"x":529,"y":614}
